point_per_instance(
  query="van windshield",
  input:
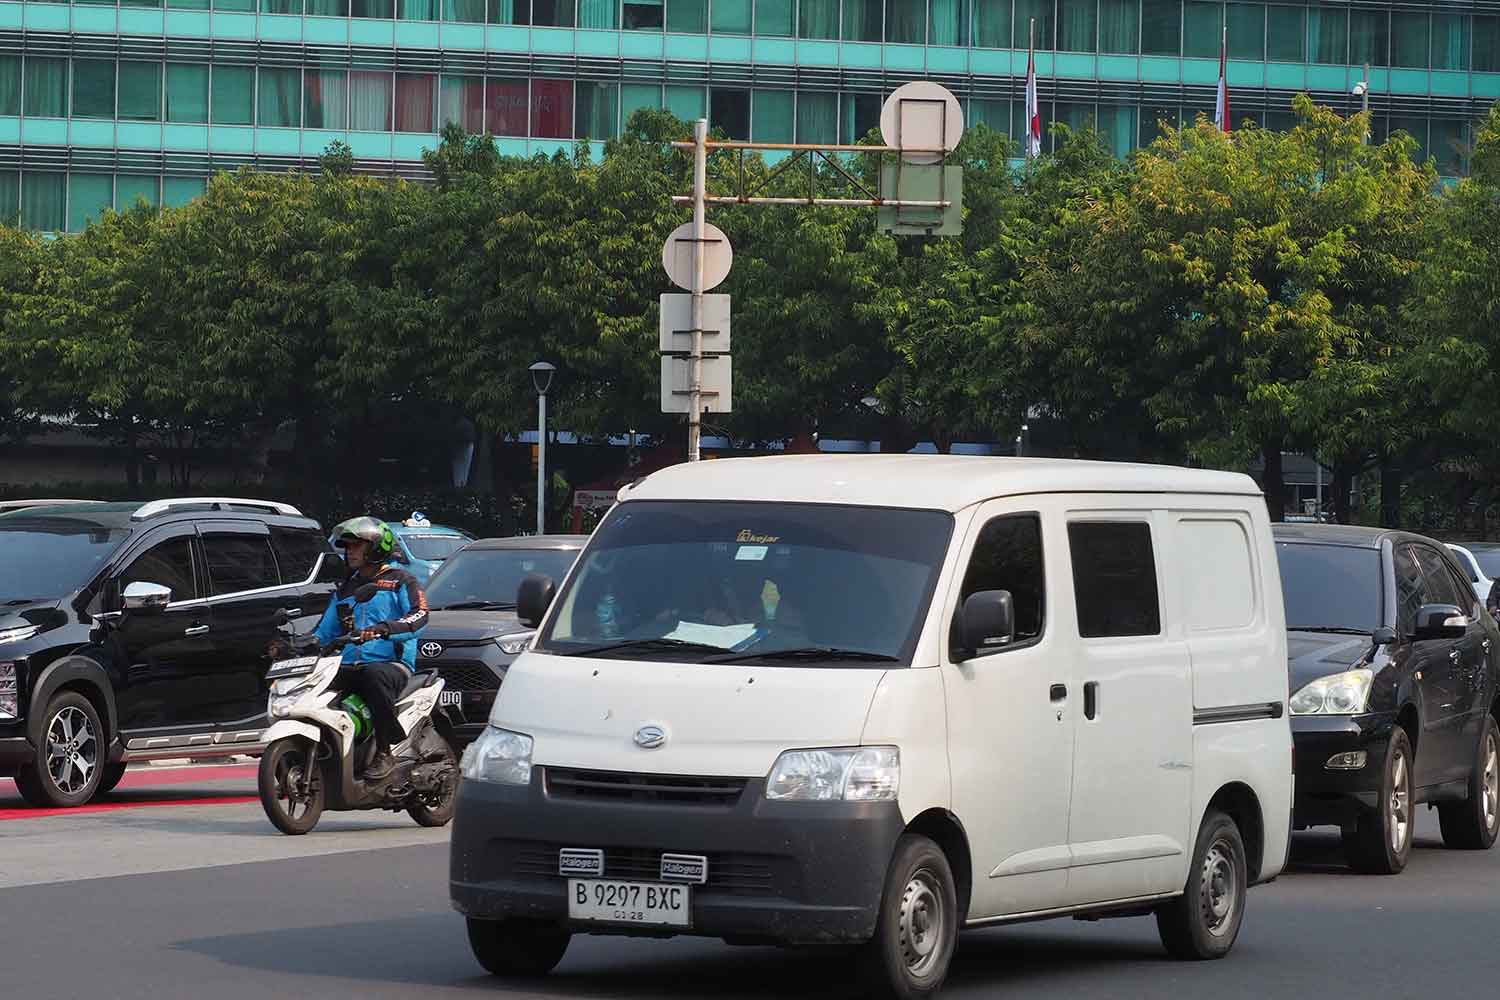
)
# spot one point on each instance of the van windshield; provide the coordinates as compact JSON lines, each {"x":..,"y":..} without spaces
{"x":715,"y":582}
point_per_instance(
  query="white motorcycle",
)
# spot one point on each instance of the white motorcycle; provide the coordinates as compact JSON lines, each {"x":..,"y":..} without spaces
{"x":321,"y":739}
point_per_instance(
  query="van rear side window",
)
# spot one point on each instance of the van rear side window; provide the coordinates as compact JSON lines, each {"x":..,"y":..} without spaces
{"x":1114,"y":578}
{"x":1218,"y":587}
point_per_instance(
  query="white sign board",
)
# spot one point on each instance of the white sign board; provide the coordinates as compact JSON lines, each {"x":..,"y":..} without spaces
{"x":922,"y":115}
{"x":677,"y":256}
{"x":677,"y":379}
{"x":677,"y":323}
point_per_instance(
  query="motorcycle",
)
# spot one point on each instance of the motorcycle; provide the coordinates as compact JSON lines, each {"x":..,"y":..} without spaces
{"x":321,"y":740}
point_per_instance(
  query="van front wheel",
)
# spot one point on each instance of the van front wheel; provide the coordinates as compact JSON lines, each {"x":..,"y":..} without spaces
{"x":917,"y":927}
{"x":520,"y":948}
{"x":1203,"y":922}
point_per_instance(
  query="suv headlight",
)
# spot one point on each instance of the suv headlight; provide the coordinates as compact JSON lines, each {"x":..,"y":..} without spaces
{"x":10,"y":706}
{"x":1347,"y":693}
{"x":837,"y":774}
{"x":499,"y":755}
{"x":515,"y":645}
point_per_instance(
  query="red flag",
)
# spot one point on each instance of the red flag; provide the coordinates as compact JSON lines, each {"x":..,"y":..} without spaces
{"x":1221,"y":105}
{"x":1033,"y":112}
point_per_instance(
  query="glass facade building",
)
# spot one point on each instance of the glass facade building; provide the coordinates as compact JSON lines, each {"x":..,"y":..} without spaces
{"x":107,"y":103}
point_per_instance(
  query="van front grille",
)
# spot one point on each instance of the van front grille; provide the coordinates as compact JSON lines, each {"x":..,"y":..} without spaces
{"x":623,"y":786}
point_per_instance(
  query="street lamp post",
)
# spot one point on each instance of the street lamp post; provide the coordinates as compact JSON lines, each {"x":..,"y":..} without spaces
{"x":541,"y":379}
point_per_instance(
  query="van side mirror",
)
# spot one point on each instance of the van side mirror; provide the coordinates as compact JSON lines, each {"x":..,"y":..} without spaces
{"x":985,"y":622}
{"x":1440,"y":621}
{"x":533,"y":597}
{"x":144,"y":596}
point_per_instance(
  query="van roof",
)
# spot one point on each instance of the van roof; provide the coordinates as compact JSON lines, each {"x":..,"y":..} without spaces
{"x":932,"y":482}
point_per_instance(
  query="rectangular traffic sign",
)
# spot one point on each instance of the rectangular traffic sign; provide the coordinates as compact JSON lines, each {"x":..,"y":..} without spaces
{"x":677,"y":323}
{"x":677,"y":380}
{"x":921,"y":182}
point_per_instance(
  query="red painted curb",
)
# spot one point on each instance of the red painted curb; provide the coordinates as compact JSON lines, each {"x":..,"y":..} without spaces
{"x":98,"y":807}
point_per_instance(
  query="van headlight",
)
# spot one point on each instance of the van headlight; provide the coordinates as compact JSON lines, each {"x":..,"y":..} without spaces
{"x":515,"y":645}
{"x":836,"y":774}
{"x":1347,"y":693}
{"x":499,"y":755}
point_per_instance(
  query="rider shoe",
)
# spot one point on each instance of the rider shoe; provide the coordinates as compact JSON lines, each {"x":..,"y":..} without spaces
{"x":380,"y":766}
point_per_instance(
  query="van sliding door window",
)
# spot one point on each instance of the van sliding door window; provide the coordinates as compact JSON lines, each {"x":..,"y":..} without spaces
{"x":1114,"y":578}
{"x":1008,"y":556}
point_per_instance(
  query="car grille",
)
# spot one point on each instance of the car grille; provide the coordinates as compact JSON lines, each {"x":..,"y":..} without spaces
{"x":623,"y":786}
{"x":741,"y":874}
{"x":467,"y":677}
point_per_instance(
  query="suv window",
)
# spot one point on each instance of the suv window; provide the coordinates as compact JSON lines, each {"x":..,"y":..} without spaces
{"x":1440,"y":582}
{"x":296,"y":552}
{"x":1114,"y":578}
{"x":1008,"y":556}
{"x":1411,"y":589}
{"x":169,"y":563}
{"x":238,"y":562}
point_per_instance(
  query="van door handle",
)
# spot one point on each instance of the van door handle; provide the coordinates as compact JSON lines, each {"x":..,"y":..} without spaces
{"x":1091,"y":699}
{"x":1059,"y":692}
{"x":196,"y":630}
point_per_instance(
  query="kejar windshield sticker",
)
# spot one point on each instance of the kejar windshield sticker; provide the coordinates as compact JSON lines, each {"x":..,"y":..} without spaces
{"x":749,"y":536}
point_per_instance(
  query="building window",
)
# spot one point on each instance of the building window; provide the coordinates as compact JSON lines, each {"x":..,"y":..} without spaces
{"x":1077,"y":25}
{"x":638,"y":97}
{"x":598,"y":110}
{"x":1246,"y":23}
{"x":416,"y":101}
{"x":819,"y":18}
{"x":233,"y":95}
{"x":1411,"y":38}
{"x":687,"y":17}
{"x":93,"y":88}
{"x":817,"y":118}
{"x":140,"y":91}
{"x":417,"y":10}
{"x":862,"y":20}
{"x":10,"y":92}
{"x":466,"y":11}
{"x":552,"y":109}
{"x":187,"y":93}
{"x":44,"y":199}
{"x":774,"y":18}
{"x":772,"y":116}
{"x":732,"y":17}
{"x":1328,"y":36}
{"x":461,"y":102}
{"x":132,"y":190}
{"x":994,"y":115}
{"x":1120,"y":26}
{"x":1201,"y":27}
{"x":861,"y":114}
{"x":513,"y":11}
{"x":1161,"y":27}
{"x":88,"y":197}
{"x":642,"y":15}
{"x":1487,"y":44}
{"x":1448,"y":146}
{"x":1414,"y":127}
{"x":992,"y":24}
{"x":326,"y":98}
{"x":1369,"y":37}
{"x":906,"y":21}
{"x":1286,"y":31}
{"x":280,"y":92}
{"x":1041,"y":12}
{"x":370,"y":99}
{"x":181,"y":190}
{"x":278,"y":6}
{"x":319,"y":8}
{"x":382,"y":10}
{"x":1118,"y":126}
{"x":1450,"y":41}
{"x":559,"y":13}
{"x":1153,"y":118}
{"x":687,"y":103}
{"x":948,"y":22}
{"x":729,"y":112}
{"x":505,"y":107}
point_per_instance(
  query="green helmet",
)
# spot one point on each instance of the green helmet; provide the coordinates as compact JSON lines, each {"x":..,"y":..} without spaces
{"x":382,"y":540}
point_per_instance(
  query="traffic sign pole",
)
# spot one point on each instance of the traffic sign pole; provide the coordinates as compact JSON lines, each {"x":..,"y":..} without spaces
{"x":700,"y":234}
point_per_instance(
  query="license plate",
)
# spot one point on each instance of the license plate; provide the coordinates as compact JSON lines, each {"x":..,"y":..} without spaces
{"x":608,"y":901}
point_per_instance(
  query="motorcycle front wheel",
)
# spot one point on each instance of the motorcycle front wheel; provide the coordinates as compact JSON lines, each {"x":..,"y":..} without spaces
{"x":291,"y":789}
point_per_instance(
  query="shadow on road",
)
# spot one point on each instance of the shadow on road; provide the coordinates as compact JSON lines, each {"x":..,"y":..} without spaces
{"x":1321,"y":852}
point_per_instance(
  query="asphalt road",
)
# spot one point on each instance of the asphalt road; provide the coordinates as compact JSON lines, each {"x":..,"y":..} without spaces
{"x":184,"y":890}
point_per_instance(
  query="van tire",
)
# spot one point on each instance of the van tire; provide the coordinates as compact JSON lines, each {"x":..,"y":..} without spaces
{"x":517,"y":948}
{"x":1471,"y":825}
{"x":1381,"y":842}
{"x":1204,"y":921}
{"x":916,"y":930}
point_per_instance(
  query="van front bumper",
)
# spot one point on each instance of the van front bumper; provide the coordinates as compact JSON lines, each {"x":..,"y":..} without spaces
{"x":778,"y":872}
{"x":1335,"y":796}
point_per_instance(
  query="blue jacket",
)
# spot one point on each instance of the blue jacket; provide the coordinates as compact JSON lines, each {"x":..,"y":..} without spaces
{"x":392,"y":603}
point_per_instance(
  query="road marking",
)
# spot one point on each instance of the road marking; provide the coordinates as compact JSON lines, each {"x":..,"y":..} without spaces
{"x":32,"y":812}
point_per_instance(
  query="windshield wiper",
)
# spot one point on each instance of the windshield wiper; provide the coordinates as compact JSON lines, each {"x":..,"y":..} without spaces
{"x":660,"y":643}
{"x":478,"y":606}
{"x":24,"y":600}
{"x":1329,"y":629}
{"x":810,"y":653}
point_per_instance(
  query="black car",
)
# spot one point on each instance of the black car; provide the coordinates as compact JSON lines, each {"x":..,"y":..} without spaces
{"x":130,"y":632}
{"x":472,"y":633}
{"x":1394,"y":700}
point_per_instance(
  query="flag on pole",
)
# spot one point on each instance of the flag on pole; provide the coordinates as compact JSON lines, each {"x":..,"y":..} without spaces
{"x":1033,"y":112}
{"x":1221,"y":104}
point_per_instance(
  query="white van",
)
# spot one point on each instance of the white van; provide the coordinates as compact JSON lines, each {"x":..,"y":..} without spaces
{"x":882,"y":698}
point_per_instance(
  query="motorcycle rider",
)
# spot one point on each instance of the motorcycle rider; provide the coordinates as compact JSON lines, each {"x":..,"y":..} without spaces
{"x":386,"y":608}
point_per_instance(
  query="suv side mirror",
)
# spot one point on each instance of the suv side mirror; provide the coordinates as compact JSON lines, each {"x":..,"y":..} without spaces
{"x":985,"y":622}
{"x":533,"y":597}
{"x":1441,"y":621}
{"x":1384,"y":636}
{"x":144,"y":596}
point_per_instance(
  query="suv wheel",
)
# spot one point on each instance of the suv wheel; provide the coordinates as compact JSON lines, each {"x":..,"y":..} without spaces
{"x":71,"y":760}
{"x":1471,"y":825}
{"x":1381,"y":843}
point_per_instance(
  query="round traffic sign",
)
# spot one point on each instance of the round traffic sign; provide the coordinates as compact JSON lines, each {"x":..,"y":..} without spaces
{"x":922,"y":115}
{"x":677,"y":256}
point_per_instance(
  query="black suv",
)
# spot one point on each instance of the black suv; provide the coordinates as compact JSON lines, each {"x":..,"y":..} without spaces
{"x":472,"y":632}
{"x":1394,"y":698}
{"x":130,"y":632}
